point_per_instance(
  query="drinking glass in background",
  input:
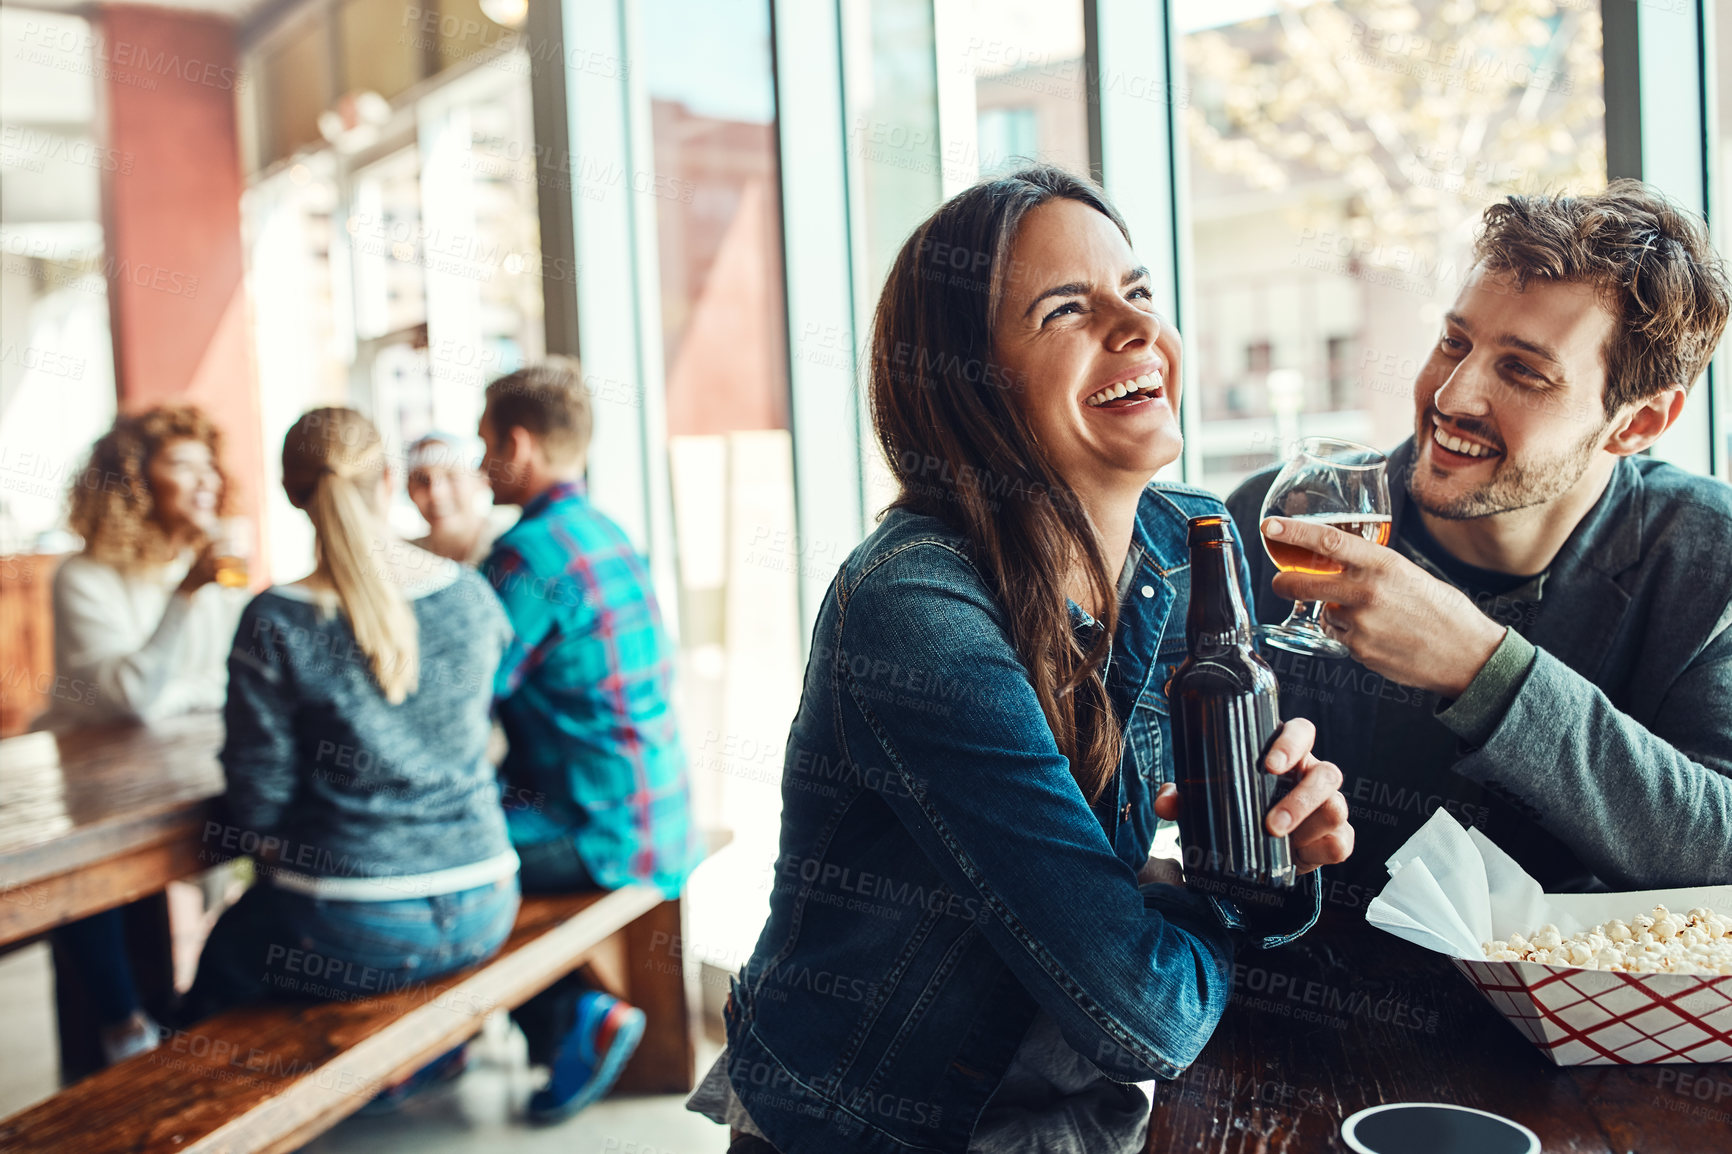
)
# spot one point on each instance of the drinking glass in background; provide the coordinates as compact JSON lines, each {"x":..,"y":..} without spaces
{"x":1333,"y":482}
{"x":234,"y":548}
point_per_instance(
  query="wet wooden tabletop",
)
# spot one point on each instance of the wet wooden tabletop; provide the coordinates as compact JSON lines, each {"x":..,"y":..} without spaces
{"x":1349,"y":1017}
{"x":94,"y":818}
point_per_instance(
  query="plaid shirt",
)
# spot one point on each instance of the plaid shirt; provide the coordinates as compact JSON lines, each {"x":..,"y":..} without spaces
{"x":585,"y":696}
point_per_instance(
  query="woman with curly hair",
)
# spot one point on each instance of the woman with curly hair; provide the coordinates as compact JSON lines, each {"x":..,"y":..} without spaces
{"x":141,"y":629}
{"x":141,"y":632}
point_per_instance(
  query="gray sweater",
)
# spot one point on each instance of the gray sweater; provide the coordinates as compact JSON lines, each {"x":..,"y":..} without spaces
{"x":1607,"y":722}
{"x":326,"y":779}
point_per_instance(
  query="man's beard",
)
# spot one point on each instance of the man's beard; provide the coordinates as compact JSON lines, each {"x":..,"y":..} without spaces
{"x":1512,"y":486}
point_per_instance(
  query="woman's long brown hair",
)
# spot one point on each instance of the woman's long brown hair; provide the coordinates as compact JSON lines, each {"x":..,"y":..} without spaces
{"x":962,"y":451}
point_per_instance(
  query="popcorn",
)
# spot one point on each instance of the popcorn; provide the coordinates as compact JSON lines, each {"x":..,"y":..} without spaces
{"x":1658,"y":942}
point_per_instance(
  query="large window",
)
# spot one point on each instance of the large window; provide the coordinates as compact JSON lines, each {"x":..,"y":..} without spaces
{"x":56,"y":358}
{"x":292,"y":225}
{"x":940,"y":95}
{"x":713,"y":190}
{"x":397,"y":271}
{"x":1030,"y":84}
{"x":1340,"y":154}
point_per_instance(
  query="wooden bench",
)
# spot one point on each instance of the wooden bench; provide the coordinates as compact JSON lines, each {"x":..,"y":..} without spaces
{"x":271,"y":1077}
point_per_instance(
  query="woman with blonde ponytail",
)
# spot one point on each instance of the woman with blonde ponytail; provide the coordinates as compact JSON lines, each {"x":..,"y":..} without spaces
{"x":358,"y":716}
{"x":334,"y":470}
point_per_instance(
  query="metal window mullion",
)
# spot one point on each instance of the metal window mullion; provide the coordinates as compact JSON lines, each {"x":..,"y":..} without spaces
{"x":1718,"y":199}
{"x":958,"y":112}
{"x":456,"y":350}
{"x":642,"y":213}
{"x":551,"y":123}
{"x":603,"y":244}
{"x":812,"y":155}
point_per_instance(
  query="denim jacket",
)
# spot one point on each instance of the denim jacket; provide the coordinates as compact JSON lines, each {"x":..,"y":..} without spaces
{"x":941,"y":876}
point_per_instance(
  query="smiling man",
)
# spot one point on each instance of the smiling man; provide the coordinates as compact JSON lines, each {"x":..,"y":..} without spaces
{"x":1544,"y":647}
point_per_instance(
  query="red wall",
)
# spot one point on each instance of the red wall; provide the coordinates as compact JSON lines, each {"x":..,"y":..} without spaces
{"x":173,"y":227}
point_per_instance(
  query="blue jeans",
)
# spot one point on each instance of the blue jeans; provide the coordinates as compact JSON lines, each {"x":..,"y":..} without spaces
{"x":277,"y":944}
{"x":95,"y":947}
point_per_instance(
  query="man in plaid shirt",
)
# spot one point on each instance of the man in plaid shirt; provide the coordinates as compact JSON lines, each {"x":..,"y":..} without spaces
{"x":595,"y":785}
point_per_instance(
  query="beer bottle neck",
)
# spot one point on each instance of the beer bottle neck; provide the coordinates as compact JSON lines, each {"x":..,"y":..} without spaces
{"x":1217,"y":618}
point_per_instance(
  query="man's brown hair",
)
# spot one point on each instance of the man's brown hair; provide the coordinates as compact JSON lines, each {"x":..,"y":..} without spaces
{"x":549,"y":401}
{"x":1651,"y":262}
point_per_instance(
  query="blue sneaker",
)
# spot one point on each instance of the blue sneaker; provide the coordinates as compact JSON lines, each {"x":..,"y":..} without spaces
{"x":590,"y":1057}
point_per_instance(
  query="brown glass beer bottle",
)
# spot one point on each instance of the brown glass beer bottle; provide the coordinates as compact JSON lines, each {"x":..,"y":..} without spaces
{"x":1225,"y":714}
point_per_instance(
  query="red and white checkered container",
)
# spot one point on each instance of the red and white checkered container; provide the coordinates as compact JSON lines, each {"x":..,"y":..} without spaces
{"x":1599,"y":1017}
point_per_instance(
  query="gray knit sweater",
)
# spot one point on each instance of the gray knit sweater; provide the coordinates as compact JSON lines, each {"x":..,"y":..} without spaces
{"x":329,"y":780}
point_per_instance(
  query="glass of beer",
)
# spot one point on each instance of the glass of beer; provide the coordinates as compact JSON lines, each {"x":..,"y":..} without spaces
{"x":1327,"y":481}
{"x":234,"y":546}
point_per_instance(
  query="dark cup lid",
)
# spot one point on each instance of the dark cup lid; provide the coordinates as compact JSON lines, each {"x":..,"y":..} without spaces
{"x":1435,"y":1128}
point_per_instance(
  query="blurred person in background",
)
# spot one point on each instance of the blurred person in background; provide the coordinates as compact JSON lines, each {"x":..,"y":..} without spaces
{"x":1543,"y":650}
{"x":595,"y":776}
{"x":969,"y":947}
{"x":141,"y":627}
{"x":451,"y":495}
{"x":358,"y":713}
{"x":142,"y":632}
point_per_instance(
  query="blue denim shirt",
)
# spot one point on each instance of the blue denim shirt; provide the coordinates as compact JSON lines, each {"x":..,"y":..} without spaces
{"x":941,"y":876}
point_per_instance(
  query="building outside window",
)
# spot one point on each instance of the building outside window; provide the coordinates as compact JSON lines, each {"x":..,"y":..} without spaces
{"x":715,"y":199}
{"x":1340,"y":154}
{"x":1007,"y":135}
{"x":1025,"y":71}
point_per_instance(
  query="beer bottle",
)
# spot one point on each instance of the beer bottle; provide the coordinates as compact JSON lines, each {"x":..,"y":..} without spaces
{"x":1225,"y":715}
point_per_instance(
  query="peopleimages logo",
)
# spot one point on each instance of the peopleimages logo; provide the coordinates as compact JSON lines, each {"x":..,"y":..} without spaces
{"x":29,"y":144}
{"x":88,"y":270}
{"x":76,"y":49}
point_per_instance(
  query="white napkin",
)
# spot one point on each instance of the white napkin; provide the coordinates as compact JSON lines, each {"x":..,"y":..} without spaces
{"x":1451,"y":889}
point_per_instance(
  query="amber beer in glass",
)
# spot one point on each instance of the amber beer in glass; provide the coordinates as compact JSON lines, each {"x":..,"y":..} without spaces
{"x":1327,"y":481}
{"x":1225,"y":714}
{"x":1291,"y":558}
{"x":234,"y":544}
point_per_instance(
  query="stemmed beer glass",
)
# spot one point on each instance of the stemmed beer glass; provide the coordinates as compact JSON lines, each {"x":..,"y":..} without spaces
{"x":1327,"y":481}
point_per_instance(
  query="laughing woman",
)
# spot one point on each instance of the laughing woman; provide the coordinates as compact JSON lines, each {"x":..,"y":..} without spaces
{"x":967,"y":948}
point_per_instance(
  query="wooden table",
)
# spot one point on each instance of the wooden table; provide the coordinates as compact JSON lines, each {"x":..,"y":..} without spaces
{"x":95,"y":818}
{"x":106,"y":816}
{"x":1349,"y":1017}
{"x":101,"y":818}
